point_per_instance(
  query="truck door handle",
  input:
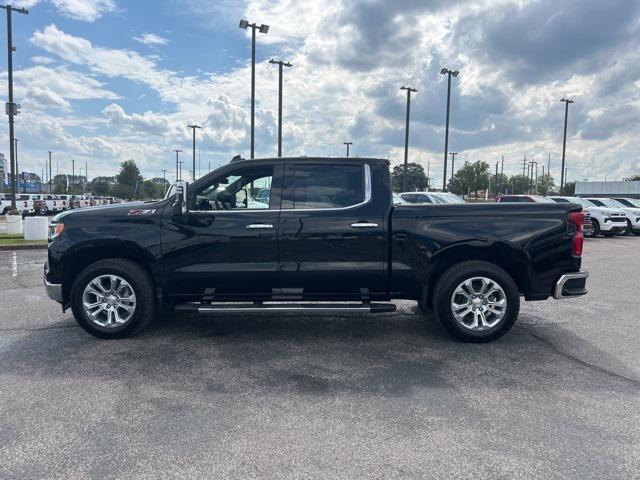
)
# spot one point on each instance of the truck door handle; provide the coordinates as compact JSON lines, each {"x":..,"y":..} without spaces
{"x":364,"y":225}
{"x":259,"y":225}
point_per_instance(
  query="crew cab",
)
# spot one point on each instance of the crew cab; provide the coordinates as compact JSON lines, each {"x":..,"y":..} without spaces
{"x":329,"y":239}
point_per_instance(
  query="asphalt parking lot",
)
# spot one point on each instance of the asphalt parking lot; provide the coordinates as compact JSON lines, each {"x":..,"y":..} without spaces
{"x":389,"y":396}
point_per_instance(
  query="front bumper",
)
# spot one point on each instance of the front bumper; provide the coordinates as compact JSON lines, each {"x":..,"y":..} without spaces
{"x":571,"y":285}
{"x":54,"y":290}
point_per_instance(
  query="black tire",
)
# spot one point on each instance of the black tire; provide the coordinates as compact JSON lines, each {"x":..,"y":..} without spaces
{"x":629,"y":230}
{"x":457,"y":274}
{"x":596,"y":228}
{"x":138,"y":279}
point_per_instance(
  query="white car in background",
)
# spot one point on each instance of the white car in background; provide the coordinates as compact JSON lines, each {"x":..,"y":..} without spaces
{"x":448,"y":197}
{"x":24,"y":206}
{"x":420,"y":198}
{"x":632,"y":212}
{"x":606,"y":221}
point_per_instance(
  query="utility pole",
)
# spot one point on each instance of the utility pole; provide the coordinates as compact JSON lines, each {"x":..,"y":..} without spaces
{"x":177,"y":173}
{"x":193,"y":127}
{"x":428,"y":175}
{"x":244,"y":24}
{"x":180,"y":171}
{"x":73,"y":176}
{"x":15,"y":148}
{"x":453,"y":162}
{"x":524,"y":164}
{"x":564,"y":141}
{"x":50,"y":191}
{"x":497,"y":189}
{"x":280,"y":64}
{"x":449,"y":73}
{"x":164,"y":181}
{"x":347,"y":144}
{"x":406,"y":137}
{"x":11,"y":107}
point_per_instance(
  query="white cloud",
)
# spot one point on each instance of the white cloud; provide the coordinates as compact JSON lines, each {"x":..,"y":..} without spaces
{"x":151,"y":39}
{"x":86,"y":10}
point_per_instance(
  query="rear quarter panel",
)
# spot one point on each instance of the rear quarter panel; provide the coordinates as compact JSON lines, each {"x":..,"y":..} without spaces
{"x":531,"y":241}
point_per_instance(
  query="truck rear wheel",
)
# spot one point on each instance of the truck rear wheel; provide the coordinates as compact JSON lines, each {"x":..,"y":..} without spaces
{"x":113,"y":298}
{"x":476,"y":301}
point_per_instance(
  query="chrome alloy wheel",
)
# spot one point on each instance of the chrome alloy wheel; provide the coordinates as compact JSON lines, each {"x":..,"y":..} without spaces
{"x":109,"y":301}
{"x":478,"y":303}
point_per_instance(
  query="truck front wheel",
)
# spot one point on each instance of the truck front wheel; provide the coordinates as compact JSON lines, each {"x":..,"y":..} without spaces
{"x":476,"y":301}
{"x":113,"y":298}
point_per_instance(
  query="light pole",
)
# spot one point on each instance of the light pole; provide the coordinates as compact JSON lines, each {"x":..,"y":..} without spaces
{"x":449,"y":73}
{"x":348,"y":144}
{"x":244,"y":24}
{"x":180,"y":171}
{"x":453,"y":161}
{"x":280,"y":64}
{"x":15,"y":148}
{"x":177,"y":173}
{"x":164,"y":181}
{"x":564,"y":141}
{"x":11,"y":107}
{"x":50,"y":191}
{"x":73,"y":176}
{"x":406,"y":137}
{"x":193,"y":127}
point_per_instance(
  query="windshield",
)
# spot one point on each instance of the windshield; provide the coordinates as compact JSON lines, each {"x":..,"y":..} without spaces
{"x":610,"y":202}
{"x":598,"y":202}
{"x":583,"y":201}
{"x":630,"y":202}
{"x":540,"y":199}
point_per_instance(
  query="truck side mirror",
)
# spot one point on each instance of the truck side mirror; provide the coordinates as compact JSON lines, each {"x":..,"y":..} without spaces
{"x":180,"y":203}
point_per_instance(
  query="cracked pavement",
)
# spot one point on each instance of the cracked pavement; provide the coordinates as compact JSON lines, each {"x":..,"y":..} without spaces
{"x":317,"y":396}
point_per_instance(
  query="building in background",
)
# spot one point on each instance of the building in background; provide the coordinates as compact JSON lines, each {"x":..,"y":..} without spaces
{"x":608,"y":189}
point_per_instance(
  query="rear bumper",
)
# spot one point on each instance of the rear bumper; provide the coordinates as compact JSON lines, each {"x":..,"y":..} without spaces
{"x":571,"y":285}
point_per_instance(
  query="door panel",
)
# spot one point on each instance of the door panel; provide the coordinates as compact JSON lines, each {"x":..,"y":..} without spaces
{"x":228,"y":252}
{"x":338,"y":250}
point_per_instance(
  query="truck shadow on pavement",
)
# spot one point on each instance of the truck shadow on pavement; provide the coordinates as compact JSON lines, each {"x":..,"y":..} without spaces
{"x":390,"y":355}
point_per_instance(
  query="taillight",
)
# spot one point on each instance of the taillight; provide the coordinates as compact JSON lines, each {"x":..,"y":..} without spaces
{"x":577,"y":219}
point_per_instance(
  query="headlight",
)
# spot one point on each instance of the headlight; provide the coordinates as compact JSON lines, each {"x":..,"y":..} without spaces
{"x":55,"y":229}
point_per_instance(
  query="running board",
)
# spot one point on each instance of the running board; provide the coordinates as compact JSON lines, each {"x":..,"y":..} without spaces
{"x":205,"y":308}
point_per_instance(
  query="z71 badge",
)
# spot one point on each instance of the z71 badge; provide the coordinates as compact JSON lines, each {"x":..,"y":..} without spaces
{"x":149,"y":211}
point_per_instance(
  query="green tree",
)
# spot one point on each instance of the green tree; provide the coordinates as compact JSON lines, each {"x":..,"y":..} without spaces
{"x":416,"y":178}
{"x":519,"y":184}
{"x":545,"y":184}
{"x":470,"y":178}
{"x":101,"y":186}
{"x":128,"y":181}
{"x":569,"y":189}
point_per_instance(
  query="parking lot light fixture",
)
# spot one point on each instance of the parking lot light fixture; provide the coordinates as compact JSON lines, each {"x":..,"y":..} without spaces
{"x":244,"y":24}
{"x":348,"y":144}
{"x":280,"y":64}
{"x":178,"y":151}
{"x":193,"y":127}
{"x":11,"y":107}
{"x":450,"y":73}
{"x":564,"y":141}
{"x":406,"y":137}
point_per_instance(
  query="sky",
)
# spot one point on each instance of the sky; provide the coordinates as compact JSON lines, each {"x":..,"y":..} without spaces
{"x":102,"y":81}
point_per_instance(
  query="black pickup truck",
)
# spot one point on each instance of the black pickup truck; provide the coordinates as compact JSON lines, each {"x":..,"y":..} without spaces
{"x":325,"y":237}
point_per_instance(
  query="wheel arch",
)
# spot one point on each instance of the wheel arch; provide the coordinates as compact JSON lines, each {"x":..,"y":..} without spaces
{"x":501,"y":254}
{"x":85,"y":254}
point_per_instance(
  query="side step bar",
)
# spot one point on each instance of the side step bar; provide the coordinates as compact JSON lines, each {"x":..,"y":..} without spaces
{"x":205,"y":308}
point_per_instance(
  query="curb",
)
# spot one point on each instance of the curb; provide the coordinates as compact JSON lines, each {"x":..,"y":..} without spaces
{"x":8,"y":248}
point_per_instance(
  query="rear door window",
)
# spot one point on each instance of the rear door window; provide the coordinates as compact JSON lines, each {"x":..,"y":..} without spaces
{"x":327,"y":186}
